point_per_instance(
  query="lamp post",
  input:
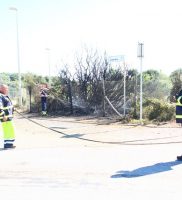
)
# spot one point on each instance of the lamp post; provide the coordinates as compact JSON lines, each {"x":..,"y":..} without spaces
{"x":141,"y":55}
{"x":18,"y":56}
{"x":49,"y":65}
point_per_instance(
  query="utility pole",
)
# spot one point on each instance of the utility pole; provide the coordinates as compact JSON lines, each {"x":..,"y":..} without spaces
{"x":124,"y":73}
{"x":140,"y":56}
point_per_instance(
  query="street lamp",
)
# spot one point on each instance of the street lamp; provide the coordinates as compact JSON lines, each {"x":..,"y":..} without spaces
{"x":49,"y":65}
{"x":18,"y":56}
{"x":141,"y":55}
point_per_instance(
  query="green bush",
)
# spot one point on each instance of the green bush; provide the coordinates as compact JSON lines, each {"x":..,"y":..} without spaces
{"x":158,"y":110}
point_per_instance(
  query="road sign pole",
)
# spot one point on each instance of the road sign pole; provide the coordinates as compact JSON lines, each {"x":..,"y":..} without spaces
{"x":141,"y":55}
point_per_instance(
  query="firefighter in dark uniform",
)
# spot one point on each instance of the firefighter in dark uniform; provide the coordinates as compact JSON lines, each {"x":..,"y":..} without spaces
{"x":179,"y":108}
{"x":179,"y":114}
{"x":43,"y":95}
{"x":6,"y":116}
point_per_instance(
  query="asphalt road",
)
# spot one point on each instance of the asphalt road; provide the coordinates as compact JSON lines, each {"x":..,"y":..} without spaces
{"x":91,"y":159}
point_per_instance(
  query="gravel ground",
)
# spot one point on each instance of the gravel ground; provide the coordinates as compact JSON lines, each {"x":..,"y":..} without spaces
{"x":91,"y":159}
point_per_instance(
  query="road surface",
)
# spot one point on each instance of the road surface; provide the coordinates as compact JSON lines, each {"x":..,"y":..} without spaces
{"x":91,"y":160}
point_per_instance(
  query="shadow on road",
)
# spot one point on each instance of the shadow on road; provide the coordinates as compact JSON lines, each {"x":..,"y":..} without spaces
{"x":147,"y":170}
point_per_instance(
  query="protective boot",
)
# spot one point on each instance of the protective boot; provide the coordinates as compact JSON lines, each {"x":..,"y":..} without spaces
{"x":179,"y":158}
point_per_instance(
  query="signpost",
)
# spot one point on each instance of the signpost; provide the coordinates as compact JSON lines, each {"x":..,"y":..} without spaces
{"x":119,"y":59}
{"x":140,"y":55}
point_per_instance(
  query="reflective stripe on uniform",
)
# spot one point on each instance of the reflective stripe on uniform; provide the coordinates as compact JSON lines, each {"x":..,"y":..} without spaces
{"x":178,"y":101}
{"x":5,"y":116}
{"x":7,"y":107}
{"x":2,"y":113}
{"x":9,"y":141}
{"x":9,"y":115}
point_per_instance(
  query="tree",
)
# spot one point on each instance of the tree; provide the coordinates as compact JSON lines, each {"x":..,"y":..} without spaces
{"x":156,"y":85}
{"x":90,"y":67}
{"x":176,"y":79}
{"x":66,"y":83}
{"x":10,"y":79}
{"x":31,"y":82}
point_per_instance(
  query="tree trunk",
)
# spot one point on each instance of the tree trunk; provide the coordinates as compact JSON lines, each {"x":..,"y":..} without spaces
{"x":70,"y":96}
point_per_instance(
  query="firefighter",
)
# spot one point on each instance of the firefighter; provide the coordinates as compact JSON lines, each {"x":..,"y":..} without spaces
{"x":43,"y":95}
{"x":179,"y":108}
{"x":6,"y":116}
{"x":179,"y":114}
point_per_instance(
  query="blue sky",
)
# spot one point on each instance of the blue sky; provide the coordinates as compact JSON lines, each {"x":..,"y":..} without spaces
{"x":114,"y":26}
